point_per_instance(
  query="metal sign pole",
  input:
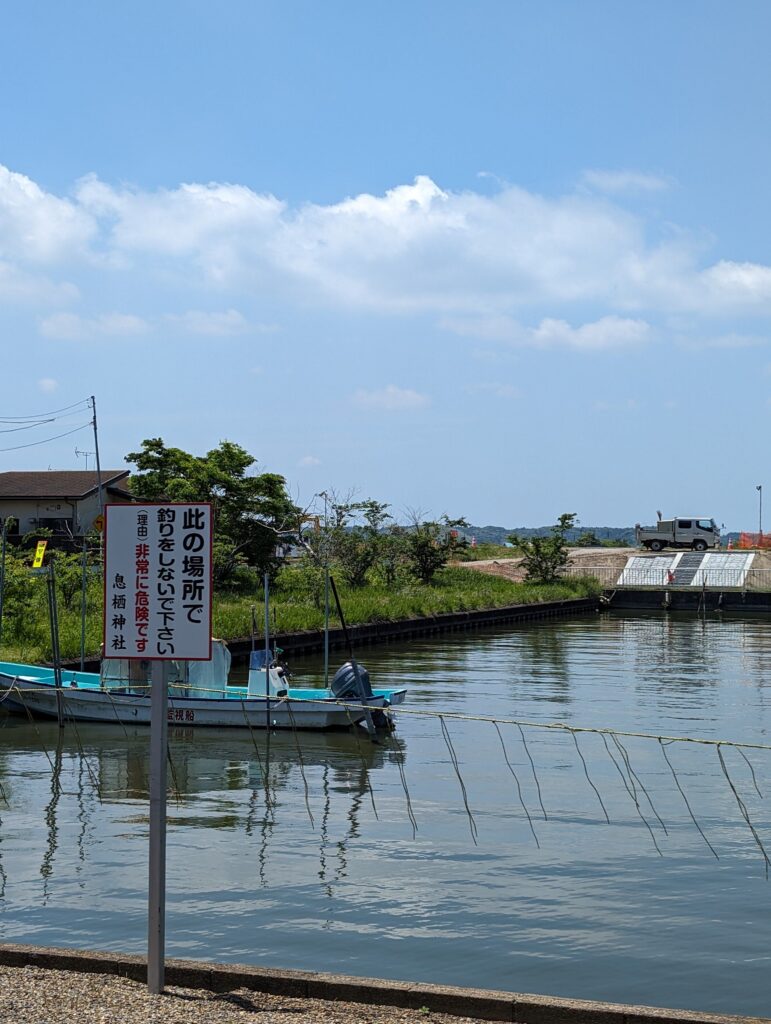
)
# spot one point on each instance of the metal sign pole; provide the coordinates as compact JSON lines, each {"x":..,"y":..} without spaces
{"x":156,"y":911}
{"x":155,"y":554}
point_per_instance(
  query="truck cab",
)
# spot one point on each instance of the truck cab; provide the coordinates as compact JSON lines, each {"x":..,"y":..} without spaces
{"x":696,"y":532}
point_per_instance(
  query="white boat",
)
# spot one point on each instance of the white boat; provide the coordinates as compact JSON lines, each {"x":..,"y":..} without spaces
{"x":199,"y":694}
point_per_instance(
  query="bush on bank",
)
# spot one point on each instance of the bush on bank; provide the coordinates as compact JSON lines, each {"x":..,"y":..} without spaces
{"x":296,"y":602}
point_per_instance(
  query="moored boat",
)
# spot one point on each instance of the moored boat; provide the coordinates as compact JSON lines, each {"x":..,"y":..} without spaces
{"x":199,"y":694}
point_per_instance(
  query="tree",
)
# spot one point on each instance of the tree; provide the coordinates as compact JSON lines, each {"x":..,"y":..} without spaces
{"x":545,"y":557}
{"x":350,"y":539}
{"x":430,"y":544}
{"x":588,"y":539}
{"x":250,"y":512}
{"x":356,"y":546}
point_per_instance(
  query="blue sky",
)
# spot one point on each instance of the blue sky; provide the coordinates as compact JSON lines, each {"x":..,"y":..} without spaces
{"x":500,"y":259}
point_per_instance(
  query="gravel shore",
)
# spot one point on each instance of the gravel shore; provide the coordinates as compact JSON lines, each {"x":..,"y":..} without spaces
{"x":32,"y":995}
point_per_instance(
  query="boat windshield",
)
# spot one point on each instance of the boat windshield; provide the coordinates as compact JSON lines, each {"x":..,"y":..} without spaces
{"x":261,"y":658}
{"x":186,"y":678}
{"x":126,"y":673}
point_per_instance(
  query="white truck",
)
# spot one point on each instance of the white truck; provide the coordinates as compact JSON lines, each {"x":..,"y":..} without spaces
{"x":696,"y":532}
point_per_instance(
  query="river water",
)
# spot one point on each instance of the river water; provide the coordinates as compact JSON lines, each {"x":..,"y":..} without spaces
{"x":590,"y":910}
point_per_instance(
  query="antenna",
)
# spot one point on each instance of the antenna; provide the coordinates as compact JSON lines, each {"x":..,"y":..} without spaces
{"x":85,"y":455}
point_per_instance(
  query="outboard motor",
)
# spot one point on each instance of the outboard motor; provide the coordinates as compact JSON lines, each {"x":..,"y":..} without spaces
{"x":345,"y":685}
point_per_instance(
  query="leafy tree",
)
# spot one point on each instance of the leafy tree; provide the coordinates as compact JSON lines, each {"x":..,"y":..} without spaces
{"x":430,"y":544}
{"x":302,"y":582}
{"x":351,"y":538}
{"x":392,"y":563}
{"x":250,"y":512}
{"x":545,"y":557}
{"x":356,"y":547}
{"x":588,"y":539}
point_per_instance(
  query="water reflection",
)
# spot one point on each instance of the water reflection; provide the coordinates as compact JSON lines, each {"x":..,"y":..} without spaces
{"x":52,"y":828}
{"x":203,"y":760}
{"x":545,"y":662}
{"x":592,"y":911}
{"x":222,"y":780}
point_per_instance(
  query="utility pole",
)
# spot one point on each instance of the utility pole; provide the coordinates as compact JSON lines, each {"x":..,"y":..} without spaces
{"x":96,"y":453}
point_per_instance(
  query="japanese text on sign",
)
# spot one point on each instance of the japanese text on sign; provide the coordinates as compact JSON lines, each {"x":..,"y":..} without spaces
{"x":158,"y":582}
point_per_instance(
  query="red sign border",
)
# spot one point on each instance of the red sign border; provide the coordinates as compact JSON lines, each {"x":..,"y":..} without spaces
{"x":158,"y":504}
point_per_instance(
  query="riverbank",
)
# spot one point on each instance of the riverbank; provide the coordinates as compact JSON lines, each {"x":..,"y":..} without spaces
{"x":59,"y":986}
{"x":37,"y":996}
{"x":375,"y":613}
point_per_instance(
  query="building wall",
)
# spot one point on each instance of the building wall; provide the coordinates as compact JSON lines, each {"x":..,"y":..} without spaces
{"x":31,"y":514}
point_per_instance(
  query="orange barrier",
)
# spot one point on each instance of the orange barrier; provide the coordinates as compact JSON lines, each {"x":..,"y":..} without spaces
{"x":755,"y":540}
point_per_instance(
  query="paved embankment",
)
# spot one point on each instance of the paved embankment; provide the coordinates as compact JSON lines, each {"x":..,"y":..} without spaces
{"x":58,"y":986}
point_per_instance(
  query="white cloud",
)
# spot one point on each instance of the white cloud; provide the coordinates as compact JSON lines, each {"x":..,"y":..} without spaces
{"x":48,"y":385}
{"x":740,"y":284}
{"x":309,"y":460}
{"x":19,"y":286}
{"x":391,"y":399}
{"x":37,"y":227}
{"x":620,"y":182}
{"x":417,"y":248}
{"x":222,"y":227}
{"x":71,"y":327}
{"x":610,"y":332}
{"x":217,"y":324}
{"x":732,"y":340}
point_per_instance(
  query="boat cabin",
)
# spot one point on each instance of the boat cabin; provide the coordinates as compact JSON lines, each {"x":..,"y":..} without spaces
{"x":186,"y":678}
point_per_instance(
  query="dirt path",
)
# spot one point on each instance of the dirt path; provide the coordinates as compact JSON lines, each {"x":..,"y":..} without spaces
{"x":579,"y":560}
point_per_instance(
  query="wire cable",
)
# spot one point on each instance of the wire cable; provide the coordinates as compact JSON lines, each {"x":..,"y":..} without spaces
{"x":27,"y":426}
{"x":32,"y":444}
{"x":42,"y":415}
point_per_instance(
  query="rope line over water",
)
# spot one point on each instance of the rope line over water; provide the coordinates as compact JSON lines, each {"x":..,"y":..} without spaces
{"x":277,"y":702}
{"x":612,"y":740}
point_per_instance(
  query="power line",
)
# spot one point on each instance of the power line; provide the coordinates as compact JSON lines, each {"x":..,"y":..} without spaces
{"x":26,"y":426}
{"x":56,"y":437}
{"x":42,"y":416}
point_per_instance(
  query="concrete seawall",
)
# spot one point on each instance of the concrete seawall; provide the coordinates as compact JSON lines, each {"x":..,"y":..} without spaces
{"x":312,"y":641}
{"x":689,"y":599}
{"x":480,"y":1004}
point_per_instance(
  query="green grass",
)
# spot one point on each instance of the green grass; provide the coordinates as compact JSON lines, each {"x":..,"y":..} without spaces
{"x":26,"y":639}
{"x":455,"y":590}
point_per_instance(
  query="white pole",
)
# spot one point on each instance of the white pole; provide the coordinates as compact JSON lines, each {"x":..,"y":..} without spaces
{"x":156,"y":910}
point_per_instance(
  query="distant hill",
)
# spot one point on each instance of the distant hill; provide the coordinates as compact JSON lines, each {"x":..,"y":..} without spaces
{"x":500,"y":534}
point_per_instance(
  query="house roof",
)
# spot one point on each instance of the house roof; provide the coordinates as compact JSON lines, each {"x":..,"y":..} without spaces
{"x":68,"y":484}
